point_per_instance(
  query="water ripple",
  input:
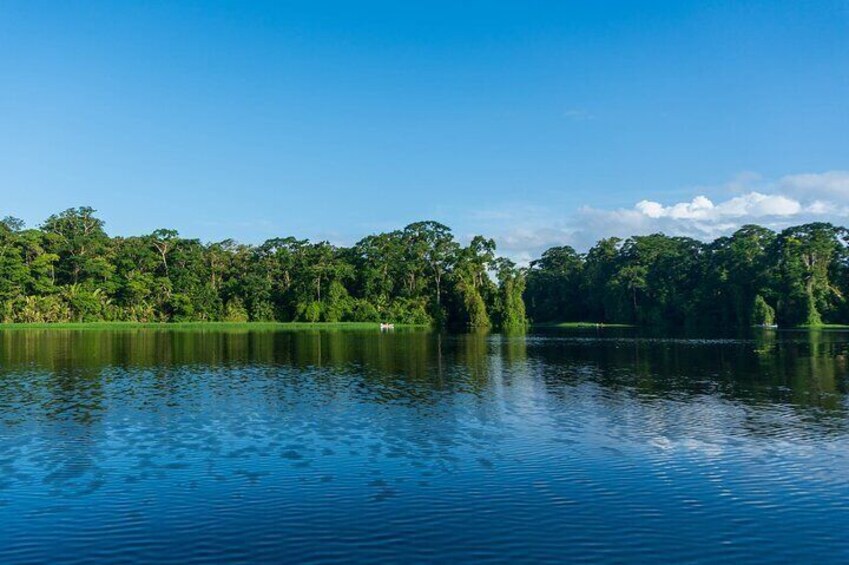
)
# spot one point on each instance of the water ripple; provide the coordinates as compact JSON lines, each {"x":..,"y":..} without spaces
{"x":345,"y":447}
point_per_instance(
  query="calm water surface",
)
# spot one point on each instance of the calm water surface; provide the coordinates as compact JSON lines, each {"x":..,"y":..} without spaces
{"x":210,"y":446}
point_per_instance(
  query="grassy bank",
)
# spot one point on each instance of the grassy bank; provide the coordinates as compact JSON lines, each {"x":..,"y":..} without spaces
{"x":208,"y":326}
{"x":587,"y":325}
{"x":580,"y":325}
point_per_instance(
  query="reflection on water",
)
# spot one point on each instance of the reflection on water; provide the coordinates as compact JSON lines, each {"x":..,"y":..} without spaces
{"x":197,"y":446}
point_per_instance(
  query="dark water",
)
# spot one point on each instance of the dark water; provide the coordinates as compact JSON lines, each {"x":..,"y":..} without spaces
{"x":203,"y":447}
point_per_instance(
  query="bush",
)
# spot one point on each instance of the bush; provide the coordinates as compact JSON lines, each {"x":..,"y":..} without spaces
{"x":262,"y":311}
{"x":309,"y":312}
{"x":235,"y":311}
{"x":180,"y":308}
{"x":363,"y":311}
{"x":762,"y":313}
{"x":39,"y":309}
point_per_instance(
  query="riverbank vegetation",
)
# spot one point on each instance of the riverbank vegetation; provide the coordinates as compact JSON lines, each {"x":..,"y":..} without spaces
{"x":796,"y":277}
{"x":253,"y":326}
{"x":69,"y":270}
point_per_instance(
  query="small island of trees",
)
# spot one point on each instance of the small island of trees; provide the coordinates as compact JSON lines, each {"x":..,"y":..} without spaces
{"x":69,"y":270}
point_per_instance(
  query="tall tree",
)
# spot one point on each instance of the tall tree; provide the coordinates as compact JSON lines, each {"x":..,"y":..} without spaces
{"x":431,"y":249}
{"x":77,"y":237}
{"x":473,"y":294}
{"x":554,"y":286}
{"x":806,"y":257}
{"x":511,"y":287}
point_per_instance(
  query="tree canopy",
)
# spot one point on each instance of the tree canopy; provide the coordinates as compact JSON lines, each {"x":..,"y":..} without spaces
{"x":755,"y":276}
{"x":70,"y":269}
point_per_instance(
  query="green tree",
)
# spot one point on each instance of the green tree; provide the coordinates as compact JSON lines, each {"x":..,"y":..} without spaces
{"x":806,"y":258}
{"x":554,"y":286}
{"x":511,"y":287}
{"x":431,"y":251}
{"x":77,"y":237}
{"x":600,"y":265}
{"x":738,"y":271}
{"x":473,"y":292}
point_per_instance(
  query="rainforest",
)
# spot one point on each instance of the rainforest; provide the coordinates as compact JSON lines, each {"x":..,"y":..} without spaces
{"x":69,"y":269}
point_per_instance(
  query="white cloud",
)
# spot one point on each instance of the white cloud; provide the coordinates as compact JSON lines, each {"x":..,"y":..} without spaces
{"x":820,"y":207}
{"x":701,"y":208}
{"x":831,"y":184}
{"x":757,"y":205}
{"x":524,"y":232}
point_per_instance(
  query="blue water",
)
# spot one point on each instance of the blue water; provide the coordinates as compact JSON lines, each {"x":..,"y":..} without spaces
{"x":214,"y":446}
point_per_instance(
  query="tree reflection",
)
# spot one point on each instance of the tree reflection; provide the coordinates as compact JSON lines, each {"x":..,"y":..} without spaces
{"x":80,"y":377}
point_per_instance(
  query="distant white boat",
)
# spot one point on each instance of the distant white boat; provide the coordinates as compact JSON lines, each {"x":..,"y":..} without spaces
{"x":769,"y":326}
{"x":386,"y":327}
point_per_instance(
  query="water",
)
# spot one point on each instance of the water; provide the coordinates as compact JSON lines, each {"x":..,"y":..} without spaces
{"x":210,"y":446}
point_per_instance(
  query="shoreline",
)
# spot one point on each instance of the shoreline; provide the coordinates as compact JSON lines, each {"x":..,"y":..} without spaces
{"x":204,"y":325}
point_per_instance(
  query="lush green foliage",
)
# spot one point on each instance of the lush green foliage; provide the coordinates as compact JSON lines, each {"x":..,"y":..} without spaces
{"x":70,"y":270}
{"x":796,"y":277}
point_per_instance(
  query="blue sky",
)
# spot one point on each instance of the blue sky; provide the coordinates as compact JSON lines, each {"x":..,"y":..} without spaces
{"x":535,"y":122}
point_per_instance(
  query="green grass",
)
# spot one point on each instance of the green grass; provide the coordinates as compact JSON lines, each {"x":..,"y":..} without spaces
{"x":594,"y":325}
{"x":208,"y":325}
{"x":579,"y":325}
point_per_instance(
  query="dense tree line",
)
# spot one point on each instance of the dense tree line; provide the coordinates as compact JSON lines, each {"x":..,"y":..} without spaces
{"x":799,"y":276}
{"x":69,"y":269}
